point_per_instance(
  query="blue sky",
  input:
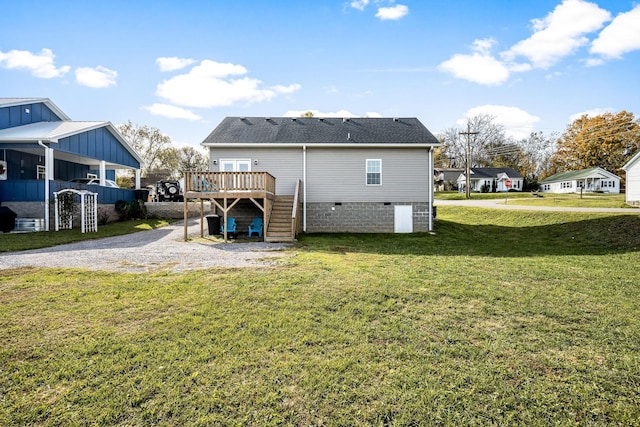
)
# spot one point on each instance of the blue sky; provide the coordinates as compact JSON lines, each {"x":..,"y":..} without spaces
{"x":183,"y":66}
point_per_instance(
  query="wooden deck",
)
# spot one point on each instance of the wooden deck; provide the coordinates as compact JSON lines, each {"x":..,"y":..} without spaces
{"x":226,"y":189}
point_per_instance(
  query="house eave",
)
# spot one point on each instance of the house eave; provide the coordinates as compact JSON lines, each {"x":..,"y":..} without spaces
{"x":320,"y":145}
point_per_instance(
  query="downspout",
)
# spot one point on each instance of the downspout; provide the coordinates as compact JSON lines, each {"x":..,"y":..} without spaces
{"x":304,"y":188}
{"x":46,"y":184}
{"x":430,"y":187}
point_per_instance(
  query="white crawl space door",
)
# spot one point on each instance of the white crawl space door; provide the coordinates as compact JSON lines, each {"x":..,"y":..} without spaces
{"x":403,"y":219}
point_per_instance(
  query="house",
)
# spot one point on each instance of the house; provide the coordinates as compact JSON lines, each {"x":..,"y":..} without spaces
{"x":337,"y":174}
{"x":587,"y":180}
{"x":42,"y":149}
{"x":632,"y":169}
{"x":491,"y":180}
{"x":446,"y":179}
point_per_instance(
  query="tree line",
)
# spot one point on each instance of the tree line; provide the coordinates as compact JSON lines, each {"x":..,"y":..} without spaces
{"x":608,"y":141}
{"x":161,"y":159}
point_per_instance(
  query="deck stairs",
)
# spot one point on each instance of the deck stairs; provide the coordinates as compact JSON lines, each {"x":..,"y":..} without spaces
{"x":279,"y":228}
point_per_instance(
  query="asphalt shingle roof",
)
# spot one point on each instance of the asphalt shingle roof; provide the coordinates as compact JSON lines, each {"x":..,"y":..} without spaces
{"x":314,"y":130}
{"x":479,"y":173}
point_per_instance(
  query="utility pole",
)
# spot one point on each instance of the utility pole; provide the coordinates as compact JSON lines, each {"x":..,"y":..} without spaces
{"x":467,"y":173}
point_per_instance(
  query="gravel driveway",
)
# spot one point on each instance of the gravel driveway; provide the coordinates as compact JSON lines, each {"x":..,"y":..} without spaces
{"x":162,"y":249}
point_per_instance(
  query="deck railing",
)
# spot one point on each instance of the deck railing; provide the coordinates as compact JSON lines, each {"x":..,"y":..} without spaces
{"x":213,"y":182}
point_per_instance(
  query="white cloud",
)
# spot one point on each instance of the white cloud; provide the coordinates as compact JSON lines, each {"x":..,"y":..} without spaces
{"x":211,"y":84}
{"x":560,"y":33}
{"x":98,"y":77}
{"x":359,"y":4}
{"x":591,"y":113}
{"x":173,"y":63}
{"x":478,"y":67}
{"x":40,"y":64}
{"x":517,"y":122}
{"x":338,"y":114}
{"x":621,"y":36}
{"x":396,"y":12}
{"x":172,"y":112}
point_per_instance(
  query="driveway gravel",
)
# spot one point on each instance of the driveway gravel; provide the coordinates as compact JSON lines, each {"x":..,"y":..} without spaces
{"x":162,"y":249}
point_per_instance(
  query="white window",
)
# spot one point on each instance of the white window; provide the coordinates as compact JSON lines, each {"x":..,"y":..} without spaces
{"x":235,"y":165}
{"x":374,"y":171}
{"x":41,"y":172}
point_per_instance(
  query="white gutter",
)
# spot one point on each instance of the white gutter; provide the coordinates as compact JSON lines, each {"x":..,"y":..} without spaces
{"x":304,"y":188}
{"x":430,"y":189}
{"x":46,"y":185}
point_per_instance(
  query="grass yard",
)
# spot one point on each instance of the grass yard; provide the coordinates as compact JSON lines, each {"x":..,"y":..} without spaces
{"x":501,"y":318}
{"x":591,"y":200}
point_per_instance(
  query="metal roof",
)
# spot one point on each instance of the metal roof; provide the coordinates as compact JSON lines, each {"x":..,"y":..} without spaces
{"x":298,"y":131}
{"x":581,"y":174}
{"x":46,"y":131}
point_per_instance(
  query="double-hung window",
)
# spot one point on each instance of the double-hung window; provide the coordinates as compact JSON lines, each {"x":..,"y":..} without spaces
{"x":374,"y":171}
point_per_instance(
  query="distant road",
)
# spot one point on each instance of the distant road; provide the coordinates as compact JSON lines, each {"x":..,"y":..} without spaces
{"x":500,"y":204}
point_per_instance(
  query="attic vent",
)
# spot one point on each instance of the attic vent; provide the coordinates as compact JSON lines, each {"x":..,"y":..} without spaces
{"x":293,"y":119}
{"x":349,"y":136}
{"x":267,"y":118}
{"x":395,"y":119}
{"x":321,"y":119}
{"x":345,"y":119}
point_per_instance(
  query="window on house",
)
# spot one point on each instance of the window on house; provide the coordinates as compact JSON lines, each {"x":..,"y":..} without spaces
{"x":374,"y":171}
{"x":41,"y":172}
{"x":235,"y":165}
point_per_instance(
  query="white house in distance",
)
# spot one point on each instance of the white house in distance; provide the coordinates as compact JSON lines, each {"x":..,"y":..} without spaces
{"x":491,"y":180}
{"x":632,"y":168}
{"x":587,"y":180}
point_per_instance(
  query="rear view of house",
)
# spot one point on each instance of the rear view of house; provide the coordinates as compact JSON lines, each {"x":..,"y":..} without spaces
{"x":351,"y":174}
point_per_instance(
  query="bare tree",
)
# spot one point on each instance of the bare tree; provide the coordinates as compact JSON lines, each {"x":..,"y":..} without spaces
{"x":485,"y":135}
{"x":190,"y":159}
{"x":153,"y":146}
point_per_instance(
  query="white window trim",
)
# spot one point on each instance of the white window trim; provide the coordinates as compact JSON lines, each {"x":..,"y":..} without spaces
{"x":235,"y":162}
{"x":366,"y":172}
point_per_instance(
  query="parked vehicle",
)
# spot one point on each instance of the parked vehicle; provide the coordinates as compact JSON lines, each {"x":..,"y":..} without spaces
{"x":95,"y":181}
{"x":168,"y":191}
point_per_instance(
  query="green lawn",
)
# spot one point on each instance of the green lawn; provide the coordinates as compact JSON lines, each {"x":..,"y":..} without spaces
{"x":574,"y":200}
{"x":501,"y":318}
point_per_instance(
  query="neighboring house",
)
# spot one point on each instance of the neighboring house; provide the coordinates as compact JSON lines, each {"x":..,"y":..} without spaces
{"x":42,"y":149}
{"x":446,"y":179}
{"x":587,"y":180}
{"x":491,"y":180}
{"x":354,"y":174}
{"x":632,"y":169}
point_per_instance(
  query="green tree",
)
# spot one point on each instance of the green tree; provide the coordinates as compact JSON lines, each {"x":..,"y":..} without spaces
{"x":607,"y":141}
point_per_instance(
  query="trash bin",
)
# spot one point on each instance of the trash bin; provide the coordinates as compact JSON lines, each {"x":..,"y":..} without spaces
{"x":141,"y":194}
{"x":7,"y":219}
{"x":434,"y":212}
{"x":213,"y":222}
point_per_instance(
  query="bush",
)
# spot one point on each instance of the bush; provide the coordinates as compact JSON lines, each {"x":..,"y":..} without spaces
{"x":134,"y":209}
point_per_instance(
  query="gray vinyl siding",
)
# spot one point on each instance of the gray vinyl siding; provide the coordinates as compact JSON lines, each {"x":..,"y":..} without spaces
{"x":285,"y":164}
{"x":339,"y":175}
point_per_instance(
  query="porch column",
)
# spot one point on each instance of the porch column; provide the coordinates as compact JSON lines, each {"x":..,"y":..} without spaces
{"x":103,"y":172}
{"x":137,"y":178}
